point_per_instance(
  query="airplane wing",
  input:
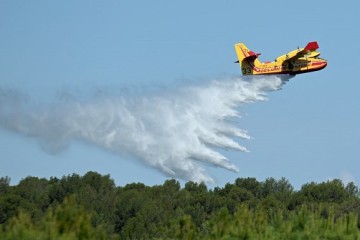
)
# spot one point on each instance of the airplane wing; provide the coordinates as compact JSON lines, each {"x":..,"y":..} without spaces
{"x":310,"y":47}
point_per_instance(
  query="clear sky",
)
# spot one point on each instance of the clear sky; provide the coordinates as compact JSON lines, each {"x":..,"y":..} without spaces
{"x":308,"y":131}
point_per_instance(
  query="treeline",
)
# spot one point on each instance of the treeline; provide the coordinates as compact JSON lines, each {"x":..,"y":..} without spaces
{"x":92,"y":207}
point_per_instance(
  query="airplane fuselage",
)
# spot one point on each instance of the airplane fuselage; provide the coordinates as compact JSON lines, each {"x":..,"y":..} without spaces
{"x":295,"y":62}
{"x":292,"y":67}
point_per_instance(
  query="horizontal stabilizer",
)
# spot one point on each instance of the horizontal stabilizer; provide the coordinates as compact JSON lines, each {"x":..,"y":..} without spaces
{"x":251,"y":55}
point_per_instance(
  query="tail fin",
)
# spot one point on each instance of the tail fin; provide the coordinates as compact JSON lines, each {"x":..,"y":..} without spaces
{"x":246,"y":58}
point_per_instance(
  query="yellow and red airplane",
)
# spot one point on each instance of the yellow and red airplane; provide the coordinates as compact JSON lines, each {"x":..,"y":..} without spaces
{"x":298,"y":61}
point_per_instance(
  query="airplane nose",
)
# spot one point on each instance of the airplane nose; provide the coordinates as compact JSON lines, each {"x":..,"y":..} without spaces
{"x":319,"y":65}
{"x":324,"y":64}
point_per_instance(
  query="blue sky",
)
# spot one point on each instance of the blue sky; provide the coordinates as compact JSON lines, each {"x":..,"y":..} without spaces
{"x":308,"y":131}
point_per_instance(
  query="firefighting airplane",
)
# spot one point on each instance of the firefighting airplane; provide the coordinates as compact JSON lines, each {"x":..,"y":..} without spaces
{"x":301,"y":60}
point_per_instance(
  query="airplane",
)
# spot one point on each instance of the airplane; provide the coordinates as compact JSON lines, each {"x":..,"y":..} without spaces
{"x":298,"y":61}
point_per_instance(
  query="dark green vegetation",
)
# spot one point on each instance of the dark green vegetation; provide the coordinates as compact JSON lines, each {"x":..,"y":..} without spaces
{"x":92,"y":207}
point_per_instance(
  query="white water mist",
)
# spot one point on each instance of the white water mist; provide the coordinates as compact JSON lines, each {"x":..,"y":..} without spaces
{"x":176,"y":132}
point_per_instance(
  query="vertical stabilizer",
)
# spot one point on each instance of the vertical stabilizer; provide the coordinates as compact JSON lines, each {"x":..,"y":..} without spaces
{"x":247,"y":58}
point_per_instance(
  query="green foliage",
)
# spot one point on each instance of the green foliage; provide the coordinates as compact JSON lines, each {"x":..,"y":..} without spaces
{"x":302,"y":224}
{"x":4,"y":185}
{"x":331,"y":191}
{"x":92,"y":207}
{"x":66,"y":221}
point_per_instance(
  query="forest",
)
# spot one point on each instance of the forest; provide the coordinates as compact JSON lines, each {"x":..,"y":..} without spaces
{"x":93,"y":207}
